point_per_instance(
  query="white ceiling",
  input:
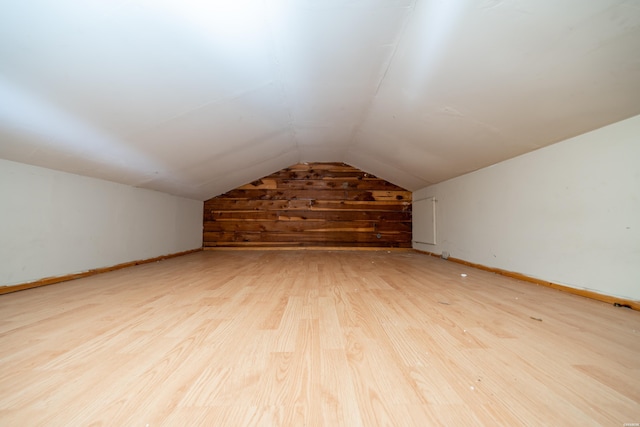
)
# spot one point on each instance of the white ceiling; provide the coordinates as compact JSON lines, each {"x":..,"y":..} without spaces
{"x":196,"y":97}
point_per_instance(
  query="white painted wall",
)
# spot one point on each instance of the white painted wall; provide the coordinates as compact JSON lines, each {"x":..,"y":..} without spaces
{"x":568,"y":213}
{"x":54,"y":223}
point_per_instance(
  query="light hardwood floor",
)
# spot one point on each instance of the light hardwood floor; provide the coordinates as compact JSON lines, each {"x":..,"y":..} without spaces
{"x":314,"y":338}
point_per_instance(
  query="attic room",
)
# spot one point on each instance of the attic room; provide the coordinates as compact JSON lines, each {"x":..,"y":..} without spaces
{"x":339,"y":212}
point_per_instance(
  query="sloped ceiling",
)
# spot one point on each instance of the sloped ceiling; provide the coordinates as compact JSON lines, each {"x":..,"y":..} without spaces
{"x":195,"y":97}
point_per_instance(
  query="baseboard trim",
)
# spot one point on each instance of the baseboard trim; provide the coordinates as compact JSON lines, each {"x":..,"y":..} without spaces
{"x":305,"y":248}
{"x":635,"y":305}
{"x":52,"y":280}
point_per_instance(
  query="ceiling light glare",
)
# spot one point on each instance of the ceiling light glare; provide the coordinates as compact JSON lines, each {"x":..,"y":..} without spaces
{"x":237,"y":24}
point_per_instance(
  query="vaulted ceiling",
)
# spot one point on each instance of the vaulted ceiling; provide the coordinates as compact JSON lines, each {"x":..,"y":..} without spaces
{"x":195,"y":97}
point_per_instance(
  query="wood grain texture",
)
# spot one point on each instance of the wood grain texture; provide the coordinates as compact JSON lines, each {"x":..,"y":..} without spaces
{"x":315,"y":204}
{"x":315,"y":338}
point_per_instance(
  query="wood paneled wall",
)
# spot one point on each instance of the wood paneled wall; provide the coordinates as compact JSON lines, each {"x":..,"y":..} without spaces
{"x":314,"y":204}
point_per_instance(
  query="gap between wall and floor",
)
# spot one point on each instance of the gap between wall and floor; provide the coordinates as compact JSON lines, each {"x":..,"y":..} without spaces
{"x":620,"y":302}
{"x":58,"y":279}
{"x":635,"y":305}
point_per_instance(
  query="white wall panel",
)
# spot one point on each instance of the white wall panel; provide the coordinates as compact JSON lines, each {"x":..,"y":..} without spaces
{"x":568,"y":213}
{"x":54,"y":223}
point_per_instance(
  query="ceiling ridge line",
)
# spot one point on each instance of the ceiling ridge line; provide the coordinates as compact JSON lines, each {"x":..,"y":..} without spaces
{"x":279,"y":75}
{"x":387,"y":66}
{"x":401,"y":36}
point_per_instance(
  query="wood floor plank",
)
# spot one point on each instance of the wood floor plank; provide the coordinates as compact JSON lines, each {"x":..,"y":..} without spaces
{"x":315,"y":338}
